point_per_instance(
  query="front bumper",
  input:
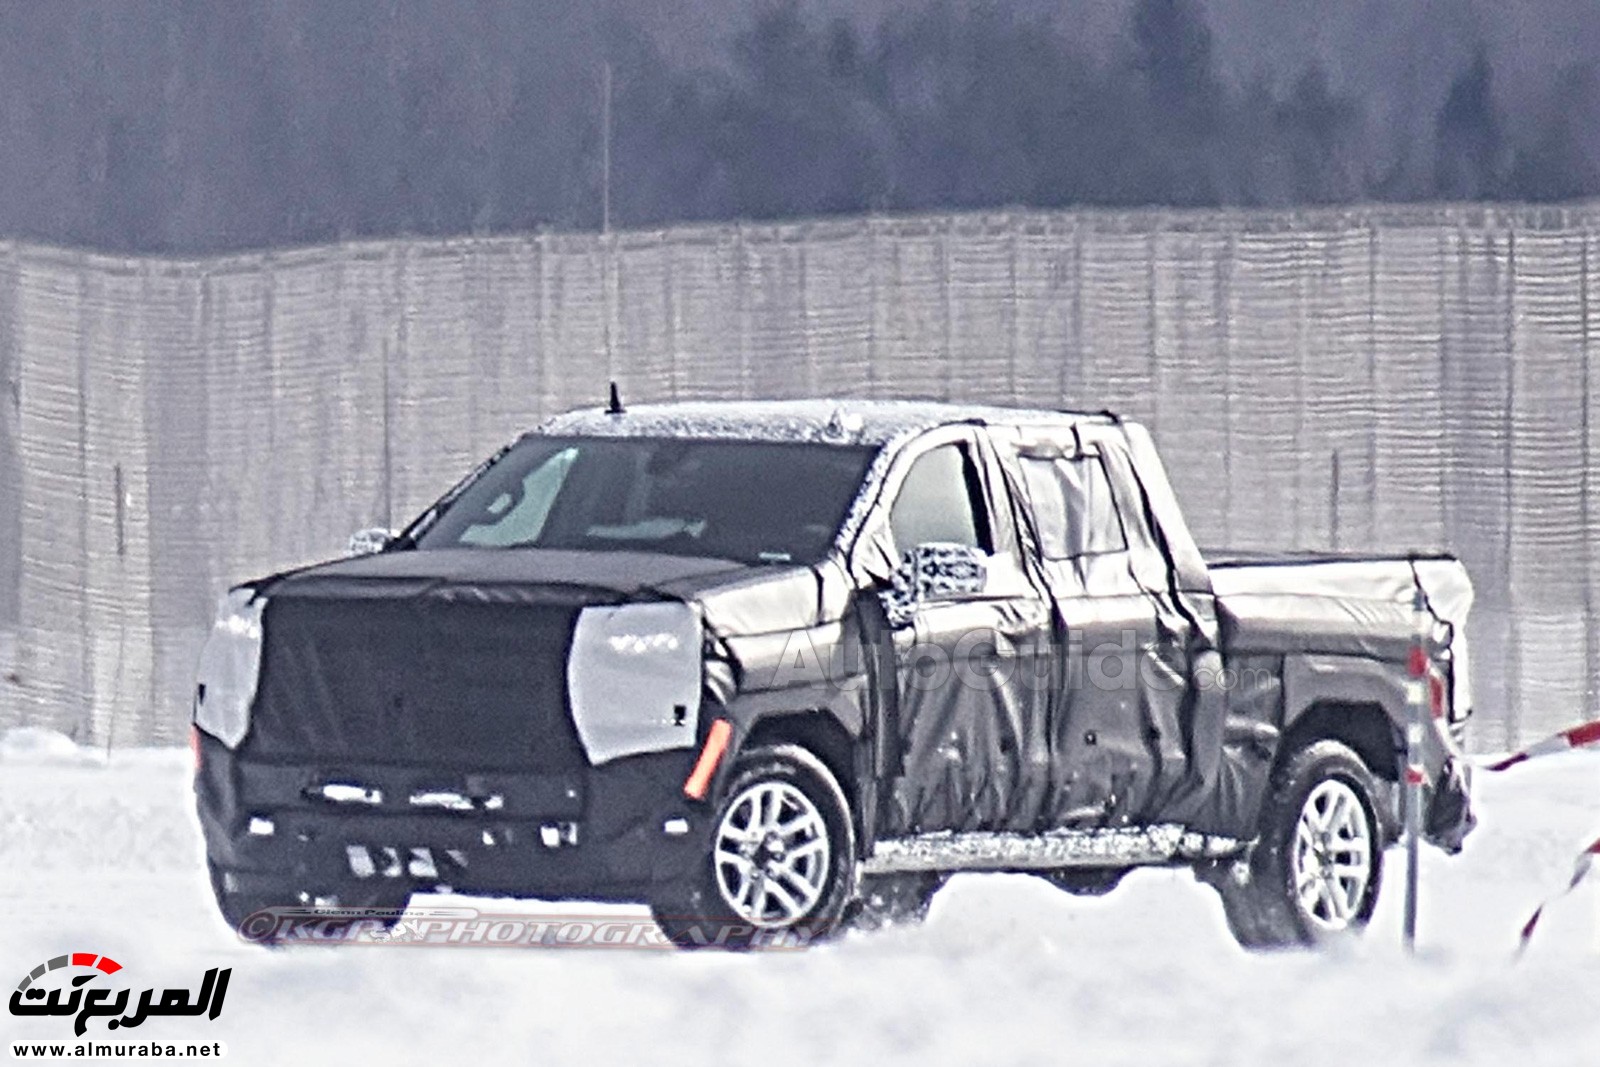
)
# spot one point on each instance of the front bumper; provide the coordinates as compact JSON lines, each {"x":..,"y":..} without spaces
{"x":610,"y":833}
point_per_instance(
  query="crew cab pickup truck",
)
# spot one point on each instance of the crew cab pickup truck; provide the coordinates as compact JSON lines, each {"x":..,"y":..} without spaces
{"x":779,"y":669}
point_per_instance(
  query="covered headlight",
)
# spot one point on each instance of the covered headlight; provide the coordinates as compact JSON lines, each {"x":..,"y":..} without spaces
{"x":230,"y":666}
{"x":633,"y":679}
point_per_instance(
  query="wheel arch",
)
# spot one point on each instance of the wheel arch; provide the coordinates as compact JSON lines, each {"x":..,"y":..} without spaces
{"x":814,"y":730}
{"x":1365,"y":728}
{"x":1353,"y":699}
{"x":1368,"y":731}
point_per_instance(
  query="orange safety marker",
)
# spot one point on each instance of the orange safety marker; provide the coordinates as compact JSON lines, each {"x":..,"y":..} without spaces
{"x":699,"y":780}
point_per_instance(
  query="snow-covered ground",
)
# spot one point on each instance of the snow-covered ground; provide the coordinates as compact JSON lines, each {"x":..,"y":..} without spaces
{"x":104,"y":856}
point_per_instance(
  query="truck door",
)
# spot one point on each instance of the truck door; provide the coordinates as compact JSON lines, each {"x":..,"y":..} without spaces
{"x":1121,"y":676}
{"x":972,"y":728}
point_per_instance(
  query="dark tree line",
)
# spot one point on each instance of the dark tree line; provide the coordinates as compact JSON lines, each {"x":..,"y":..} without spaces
{"x":193,"y":125}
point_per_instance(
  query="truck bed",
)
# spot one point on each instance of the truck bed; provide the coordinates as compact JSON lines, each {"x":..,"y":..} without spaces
{"x":1344,"y":603}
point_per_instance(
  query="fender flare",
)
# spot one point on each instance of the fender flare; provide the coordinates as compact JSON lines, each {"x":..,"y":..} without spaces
{"x":1316,"y":678}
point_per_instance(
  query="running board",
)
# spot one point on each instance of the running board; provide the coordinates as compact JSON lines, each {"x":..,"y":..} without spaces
{"x":1053,"y":849}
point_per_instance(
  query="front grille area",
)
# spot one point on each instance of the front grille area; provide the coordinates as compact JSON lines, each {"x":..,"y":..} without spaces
{"x":416,"y":680}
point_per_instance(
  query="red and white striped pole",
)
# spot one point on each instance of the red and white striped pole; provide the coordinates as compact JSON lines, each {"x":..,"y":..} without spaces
{"x":1577,"y":737}
{"x":1580,"y":870}
{"x":1586,"y":735}
{"x":1416,"y":773}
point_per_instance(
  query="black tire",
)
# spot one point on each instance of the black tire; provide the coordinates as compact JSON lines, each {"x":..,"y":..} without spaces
{"x":1261,"y":895}
{"x":278,"y":917}
{"x":698,"y":912}
{"x":885,"y":900}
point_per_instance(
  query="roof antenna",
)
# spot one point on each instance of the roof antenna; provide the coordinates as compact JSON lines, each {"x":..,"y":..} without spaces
{"x":615,"y":406}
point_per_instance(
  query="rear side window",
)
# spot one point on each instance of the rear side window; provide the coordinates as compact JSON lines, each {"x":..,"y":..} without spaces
{"x":1074,"y":507}
{"x":940,"y":501}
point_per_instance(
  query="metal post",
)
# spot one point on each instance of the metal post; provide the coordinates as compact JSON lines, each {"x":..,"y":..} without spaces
{"x":605,"y":148}
{"x":1416,"y":772}
{"x":1333,"y":503}
{"x":388,"y":443}
{"x":83,"y":730}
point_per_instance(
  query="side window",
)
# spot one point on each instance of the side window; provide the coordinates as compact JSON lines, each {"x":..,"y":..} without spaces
{"x":1073,"y":504}
{"x":941,"y":499}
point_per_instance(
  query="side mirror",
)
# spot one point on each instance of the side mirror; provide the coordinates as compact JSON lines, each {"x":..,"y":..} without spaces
{"x":369,"y":541}
{"x":934,"y":571}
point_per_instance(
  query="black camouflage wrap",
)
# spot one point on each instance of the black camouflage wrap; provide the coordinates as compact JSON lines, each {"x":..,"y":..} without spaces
{"x":1071,"y":696}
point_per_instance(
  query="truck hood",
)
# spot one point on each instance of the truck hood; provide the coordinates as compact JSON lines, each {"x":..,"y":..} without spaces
{"x":608,"y":576}
{"x":736,"y":599}
{"x":538,"y":660}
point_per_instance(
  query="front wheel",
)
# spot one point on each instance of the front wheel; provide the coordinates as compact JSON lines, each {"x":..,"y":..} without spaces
{"x":1318,"y":862}
{"x":781,"y":859}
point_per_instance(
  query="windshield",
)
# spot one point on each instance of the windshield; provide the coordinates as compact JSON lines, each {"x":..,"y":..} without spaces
{"x":741,"y":500}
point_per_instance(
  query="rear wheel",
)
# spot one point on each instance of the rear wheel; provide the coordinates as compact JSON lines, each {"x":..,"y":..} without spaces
{"x":780,"y":862}
{"x":1317,"y":865}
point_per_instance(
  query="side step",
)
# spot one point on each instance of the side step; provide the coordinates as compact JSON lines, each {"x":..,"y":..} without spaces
{"x":1009,"y":851}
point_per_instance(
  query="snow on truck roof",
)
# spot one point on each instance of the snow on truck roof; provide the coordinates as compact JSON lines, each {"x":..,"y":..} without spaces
{"x":863,"y":422}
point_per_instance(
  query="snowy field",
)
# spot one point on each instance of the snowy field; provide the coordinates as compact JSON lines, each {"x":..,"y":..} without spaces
{"x":105,"y":856}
